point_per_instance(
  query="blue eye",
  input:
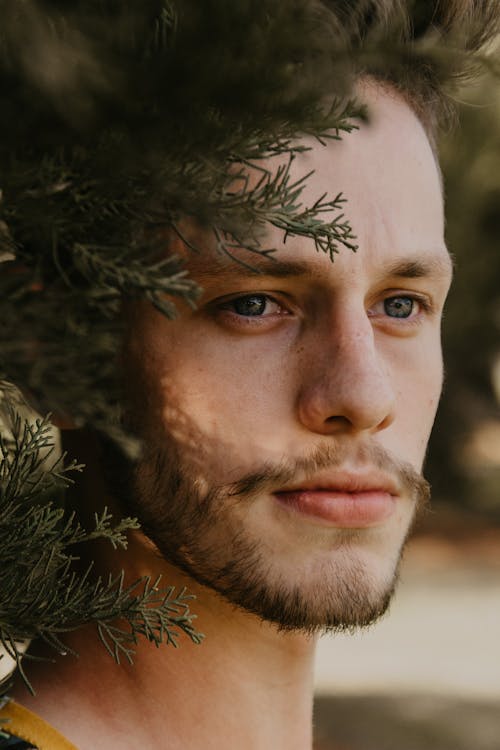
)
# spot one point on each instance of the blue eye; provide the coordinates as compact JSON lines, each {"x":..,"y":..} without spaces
{"x":252,"y":305}
{"x":399,"y":307}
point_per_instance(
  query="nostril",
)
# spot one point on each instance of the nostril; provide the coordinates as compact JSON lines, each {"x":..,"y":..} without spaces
{"x":340,"y":420}
{"x":386,"y":422}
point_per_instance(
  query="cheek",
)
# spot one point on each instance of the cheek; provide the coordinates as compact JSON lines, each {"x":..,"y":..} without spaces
{"x":419,"y":379}
{"x":231,"y":393}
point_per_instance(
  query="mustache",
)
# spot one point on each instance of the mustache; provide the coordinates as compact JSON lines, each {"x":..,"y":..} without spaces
{"x":272,"y":475}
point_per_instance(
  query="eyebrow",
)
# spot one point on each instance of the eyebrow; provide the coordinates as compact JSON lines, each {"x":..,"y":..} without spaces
{"x":420,"y":268}
{"x":424,"y":266}
{"x":255,"y":267}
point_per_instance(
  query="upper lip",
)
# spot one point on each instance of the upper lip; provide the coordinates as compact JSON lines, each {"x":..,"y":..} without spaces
{"x":345,"y":481}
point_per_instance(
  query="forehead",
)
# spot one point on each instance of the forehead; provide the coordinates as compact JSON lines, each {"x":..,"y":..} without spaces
{"x":388,"y":175}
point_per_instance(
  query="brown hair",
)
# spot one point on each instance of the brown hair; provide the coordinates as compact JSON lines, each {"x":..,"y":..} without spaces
{"x":424,"y":74}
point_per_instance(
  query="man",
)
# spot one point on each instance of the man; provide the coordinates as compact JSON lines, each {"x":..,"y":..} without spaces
{"x":285,"y":424}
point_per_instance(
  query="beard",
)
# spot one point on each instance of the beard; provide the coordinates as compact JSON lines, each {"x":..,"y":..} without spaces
{"x":205,"y":529}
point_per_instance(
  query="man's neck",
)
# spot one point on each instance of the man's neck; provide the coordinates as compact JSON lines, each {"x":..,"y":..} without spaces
{"x":246,"y":686}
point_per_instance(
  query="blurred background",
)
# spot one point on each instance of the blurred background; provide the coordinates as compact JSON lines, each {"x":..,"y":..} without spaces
{"x":428,"y":675}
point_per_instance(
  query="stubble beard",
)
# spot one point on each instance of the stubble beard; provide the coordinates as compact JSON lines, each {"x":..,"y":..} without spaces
{"x":197,"y":528}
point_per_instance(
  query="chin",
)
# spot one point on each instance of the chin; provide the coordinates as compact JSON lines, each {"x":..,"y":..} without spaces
{"x":349,"y":588}
{"x":344,"y":599}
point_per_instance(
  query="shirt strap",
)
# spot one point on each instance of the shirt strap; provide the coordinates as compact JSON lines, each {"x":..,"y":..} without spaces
{"x":26,"y":725}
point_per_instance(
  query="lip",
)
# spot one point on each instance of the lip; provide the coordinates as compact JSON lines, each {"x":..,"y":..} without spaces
{"x":349,"y":501}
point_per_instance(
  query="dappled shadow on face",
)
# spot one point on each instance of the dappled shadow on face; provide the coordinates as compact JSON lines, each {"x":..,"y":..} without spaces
{"x":204,"y":523}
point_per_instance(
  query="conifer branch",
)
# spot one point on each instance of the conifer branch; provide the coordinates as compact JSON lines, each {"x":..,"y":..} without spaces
{"x":275,"y":200}
{"x":41,"y":593}
{"x":115,"y":274}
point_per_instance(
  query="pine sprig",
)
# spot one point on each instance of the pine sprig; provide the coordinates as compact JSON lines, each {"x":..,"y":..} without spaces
{"x":327,"y":236}
{"x":23,"y":455}
{"x":42,"y":595}
{"x":114,"y":274}
{"x":159,"y":615}
{"x":276,"y":200}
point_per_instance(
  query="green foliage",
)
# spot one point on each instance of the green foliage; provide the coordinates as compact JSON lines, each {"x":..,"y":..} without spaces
{"x":42,"y":594}
{"x":275,"y":200}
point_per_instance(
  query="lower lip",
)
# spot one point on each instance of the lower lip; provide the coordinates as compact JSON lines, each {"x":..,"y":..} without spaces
{"x":345,"y":510}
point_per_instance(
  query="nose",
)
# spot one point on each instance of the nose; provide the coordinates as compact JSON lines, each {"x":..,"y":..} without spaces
{"x":344,"y":385}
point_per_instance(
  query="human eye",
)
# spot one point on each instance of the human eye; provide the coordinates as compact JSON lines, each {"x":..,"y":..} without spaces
{"x":254,"y":305}
{"x":402,"y":306}
{"x":401,"y":309}
{"x":254,"y":311}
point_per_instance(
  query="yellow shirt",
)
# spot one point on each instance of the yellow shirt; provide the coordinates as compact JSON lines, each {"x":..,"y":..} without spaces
{"x":24,"y":724}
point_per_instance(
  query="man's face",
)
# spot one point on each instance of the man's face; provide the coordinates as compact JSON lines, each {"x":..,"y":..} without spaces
{"x":286,"y":419}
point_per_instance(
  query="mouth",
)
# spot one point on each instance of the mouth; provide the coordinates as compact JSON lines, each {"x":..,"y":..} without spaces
{"x":347,"y":501}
